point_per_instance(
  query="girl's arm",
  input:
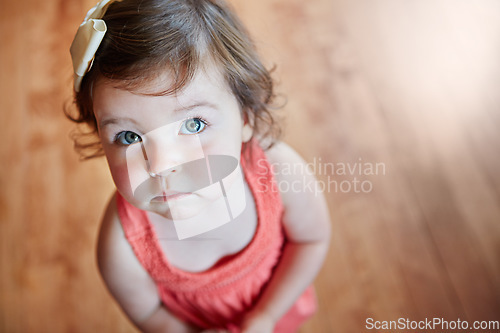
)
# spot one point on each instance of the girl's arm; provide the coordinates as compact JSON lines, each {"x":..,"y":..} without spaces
{"x":129,"y":283}
{"x":307,"y":226}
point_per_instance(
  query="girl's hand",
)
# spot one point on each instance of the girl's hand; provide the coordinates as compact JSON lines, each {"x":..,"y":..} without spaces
{"x":258,"y":323}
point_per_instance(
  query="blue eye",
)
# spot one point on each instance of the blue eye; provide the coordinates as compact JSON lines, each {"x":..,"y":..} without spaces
{"x":127,"y":138}
{"x":193,"y":126}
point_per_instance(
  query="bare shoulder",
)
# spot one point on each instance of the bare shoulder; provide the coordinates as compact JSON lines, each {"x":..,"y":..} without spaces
{"x":281,"y":153}
{"x":290,"y":171}
{"x":122,"y":273}
{"x":306,"y":215}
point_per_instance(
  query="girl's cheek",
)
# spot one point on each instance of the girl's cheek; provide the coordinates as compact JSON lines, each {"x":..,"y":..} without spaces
{"x":128,"y":176}
{"x":121,"y":179}
{"x":118,"y":167}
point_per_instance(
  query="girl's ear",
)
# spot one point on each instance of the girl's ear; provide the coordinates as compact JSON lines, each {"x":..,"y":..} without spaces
{"x":246,"y":132}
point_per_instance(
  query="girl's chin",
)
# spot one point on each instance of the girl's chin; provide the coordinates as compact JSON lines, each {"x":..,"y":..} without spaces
{"x":178,"y":210}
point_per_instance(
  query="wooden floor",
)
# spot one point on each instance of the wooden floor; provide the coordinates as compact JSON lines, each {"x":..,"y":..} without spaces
{"x":405,"y":93}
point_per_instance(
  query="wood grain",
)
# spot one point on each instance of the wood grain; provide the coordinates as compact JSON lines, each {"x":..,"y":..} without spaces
{"x":409,"y":84}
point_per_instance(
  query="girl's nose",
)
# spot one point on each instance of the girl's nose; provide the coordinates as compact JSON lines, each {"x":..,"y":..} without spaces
{"x":161,"y":160}
{"x":165,"y":151}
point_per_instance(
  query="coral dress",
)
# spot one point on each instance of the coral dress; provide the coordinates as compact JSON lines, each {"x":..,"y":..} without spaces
{"x":220,"y":296}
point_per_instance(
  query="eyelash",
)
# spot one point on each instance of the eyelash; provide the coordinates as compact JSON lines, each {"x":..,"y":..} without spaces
{"x":201,"y":119}
{"x":117,"y":135}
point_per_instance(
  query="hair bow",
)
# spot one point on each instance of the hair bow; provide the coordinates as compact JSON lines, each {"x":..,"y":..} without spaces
{"x":87,"y":40}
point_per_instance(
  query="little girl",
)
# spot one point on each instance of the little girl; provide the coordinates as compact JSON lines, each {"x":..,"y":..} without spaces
{"x":198,"y":236}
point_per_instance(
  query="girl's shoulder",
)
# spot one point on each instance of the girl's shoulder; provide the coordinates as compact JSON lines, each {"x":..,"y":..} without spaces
{"x":281,"y":153}
{"x":306,"y":214}
{"x":287,"y":165}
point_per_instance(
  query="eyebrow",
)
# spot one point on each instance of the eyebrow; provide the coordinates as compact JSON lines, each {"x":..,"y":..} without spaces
{"x":195,"y":105}
{"x":114,"y":120}
{"x":109,"y":121}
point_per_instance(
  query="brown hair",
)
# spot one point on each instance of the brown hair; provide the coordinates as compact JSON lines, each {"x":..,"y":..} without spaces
{"x":146,"y":37}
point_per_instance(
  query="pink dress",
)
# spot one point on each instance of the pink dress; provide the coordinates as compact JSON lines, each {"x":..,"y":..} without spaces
{"x":220,"y":296}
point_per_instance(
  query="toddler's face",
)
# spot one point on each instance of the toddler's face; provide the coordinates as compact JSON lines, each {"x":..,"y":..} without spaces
{"x":170,"y":154}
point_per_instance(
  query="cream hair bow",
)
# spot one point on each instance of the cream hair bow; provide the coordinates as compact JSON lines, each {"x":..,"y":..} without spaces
{"x":87,"y":40}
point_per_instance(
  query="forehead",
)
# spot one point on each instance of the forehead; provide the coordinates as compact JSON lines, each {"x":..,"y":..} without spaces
{"x":207,"y":85}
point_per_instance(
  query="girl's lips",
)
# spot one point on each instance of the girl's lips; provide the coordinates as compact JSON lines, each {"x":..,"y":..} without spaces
{"x":170,"y":195}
